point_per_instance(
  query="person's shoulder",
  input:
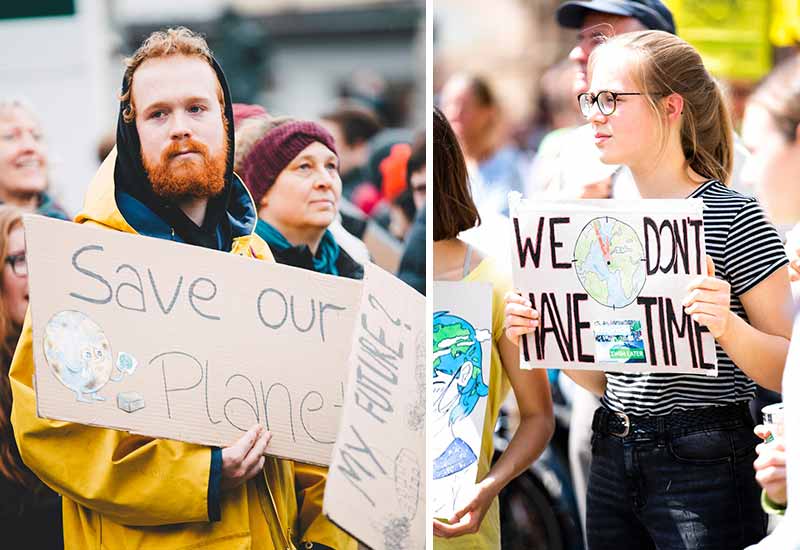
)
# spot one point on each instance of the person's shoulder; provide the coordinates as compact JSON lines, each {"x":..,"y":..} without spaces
{"x":252,"y":246}
{"x":348,"y":267}
{"x":713,"y":188}
{"x":50,"y":208}
{"x":488,"y":269}
{"x":505,"y":157}
{"x":717,"y":195}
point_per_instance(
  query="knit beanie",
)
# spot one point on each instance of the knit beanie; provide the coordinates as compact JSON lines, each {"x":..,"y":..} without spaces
{"x":268,"y":158}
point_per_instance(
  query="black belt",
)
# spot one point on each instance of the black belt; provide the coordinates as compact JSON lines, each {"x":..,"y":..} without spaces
{"x":609,"y":422}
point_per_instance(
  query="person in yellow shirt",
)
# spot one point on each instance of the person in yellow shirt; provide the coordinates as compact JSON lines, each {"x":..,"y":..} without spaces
{"x":476,"y":525}
{"x":171,"y":177}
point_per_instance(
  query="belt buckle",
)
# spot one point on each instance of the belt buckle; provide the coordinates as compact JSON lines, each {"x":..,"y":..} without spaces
{"x":626,"y":421}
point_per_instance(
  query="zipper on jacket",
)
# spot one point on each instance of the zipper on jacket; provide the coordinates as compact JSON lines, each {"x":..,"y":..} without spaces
{"x":285,"y":539}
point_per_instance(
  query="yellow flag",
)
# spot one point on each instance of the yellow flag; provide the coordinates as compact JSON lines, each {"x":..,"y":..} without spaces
{"x":732,"y":36}
{"x":785,"y":27}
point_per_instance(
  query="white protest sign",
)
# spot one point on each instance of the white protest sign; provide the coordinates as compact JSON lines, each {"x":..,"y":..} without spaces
{"x":608,"y":278}
{"x":376,"y":483}
{"x":461,"y":368}
{"x":180,"y":342}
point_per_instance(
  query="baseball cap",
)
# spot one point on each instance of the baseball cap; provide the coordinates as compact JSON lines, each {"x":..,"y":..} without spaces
{"x":653,"y":14}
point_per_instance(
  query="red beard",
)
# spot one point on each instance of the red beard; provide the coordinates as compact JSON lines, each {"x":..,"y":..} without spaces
{"x":174,"y":177}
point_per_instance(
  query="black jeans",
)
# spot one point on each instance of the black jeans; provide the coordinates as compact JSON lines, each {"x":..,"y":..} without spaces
{"x":676,"y":487}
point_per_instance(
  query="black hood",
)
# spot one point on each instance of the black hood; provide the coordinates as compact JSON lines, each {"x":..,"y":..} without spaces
{"x":130,"y":177}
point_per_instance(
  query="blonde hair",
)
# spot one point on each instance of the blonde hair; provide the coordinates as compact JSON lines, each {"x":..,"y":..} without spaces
{"x":172,"y":41}
{"x":664,"y":64}
{"x":9,"y":103}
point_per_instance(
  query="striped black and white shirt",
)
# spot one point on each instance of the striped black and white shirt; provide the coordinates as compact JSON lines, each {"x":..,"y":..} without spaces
{"x":746,"y":249}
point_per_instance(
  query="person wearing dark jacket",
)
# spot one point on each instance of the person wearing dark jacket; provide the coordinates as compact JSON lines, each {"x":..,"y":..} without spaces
{"x":292,"y":173}
{"x":412,"y":264}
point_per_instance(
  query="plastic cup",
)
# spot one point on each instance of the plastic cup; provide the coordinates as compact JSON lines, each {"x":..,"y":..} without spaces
{"x":773,"y":419}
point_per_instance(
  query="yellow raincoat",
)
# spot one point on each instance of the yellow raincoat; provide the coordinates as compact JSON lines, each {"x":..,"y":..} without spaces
{"x":123,"y":491}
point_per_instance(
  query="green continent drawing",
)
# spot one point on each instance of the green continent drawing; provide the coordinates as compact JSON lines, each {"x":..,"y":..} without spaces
{"x":609,"y":262}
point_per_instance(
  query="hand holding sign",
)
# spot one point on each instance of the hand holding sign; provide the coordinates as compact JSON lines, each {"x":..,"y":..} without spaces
{"x":189,"y":371}
{"x":608,"y":282}
{"x":244,"y":459}
{"x":468,"y":519}
{"x":520,"y":317}
{"x":709,"y":302}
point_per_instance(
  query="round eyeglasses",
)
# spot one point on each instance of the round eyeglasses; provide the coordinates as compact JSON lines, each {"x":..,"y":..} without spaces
{"x":18,"y":263}
{"x":606,"y":101}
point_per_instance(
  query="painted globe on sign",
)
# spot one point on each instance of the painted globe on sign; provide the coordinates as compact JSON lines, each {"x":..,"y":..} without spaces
{"x":609,"y":262}
{"x":78,"y":351}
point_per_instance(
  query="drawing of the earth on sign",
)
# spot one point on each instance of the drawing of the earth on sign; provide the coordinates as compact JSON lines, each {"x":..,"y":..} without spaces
{"x":609,"y":262}
{"x":78,"y":351}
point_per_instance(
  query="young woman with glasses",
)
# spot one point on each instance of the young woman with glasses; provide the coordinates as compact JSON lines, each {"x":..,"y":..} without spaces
{"x":27,"y":507}
{"x":672,"y":454}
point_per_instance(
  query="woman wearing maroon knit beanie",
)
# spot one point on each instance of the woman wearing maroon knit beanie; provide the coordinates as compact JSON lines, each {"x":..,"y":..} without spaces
{"x":291,"y":169}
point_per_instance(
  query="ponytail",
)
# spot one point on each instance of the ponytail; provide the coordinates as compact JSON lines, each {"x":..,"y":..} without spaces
{"x":668,"y":65}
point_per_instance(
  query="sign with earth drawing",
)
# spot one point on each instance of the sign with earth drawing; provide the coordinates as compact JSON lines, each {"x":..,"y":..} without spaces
{"x":607,"y":278}
{"x":460,"y":368}
{"x":180,"y":342}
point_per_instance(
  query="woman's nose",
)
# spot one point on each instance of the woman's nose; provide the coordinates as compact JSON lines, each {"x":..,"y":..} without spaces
{"x":324,"y":178}
{"x":595,"y":116}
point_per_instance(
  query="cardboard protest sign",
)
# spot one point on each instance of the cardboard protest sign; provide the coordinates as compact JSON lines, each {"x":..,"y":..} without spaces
{"x":608,"y":278}
{"x":181,"y":342}
{"x":385,"y":250}
{"x":461,"y":363}
{"x":376,"y":483}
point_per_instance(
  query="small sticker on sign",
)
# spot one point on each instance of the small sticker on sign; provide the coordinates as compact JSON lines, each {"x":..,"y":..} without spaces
{"x":618,"y":341}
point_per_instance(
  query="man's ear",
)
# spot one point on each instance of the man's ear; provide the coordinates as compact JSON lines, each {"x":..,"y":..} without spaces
{"x":674,"y":106}
{"x":797,"y":134}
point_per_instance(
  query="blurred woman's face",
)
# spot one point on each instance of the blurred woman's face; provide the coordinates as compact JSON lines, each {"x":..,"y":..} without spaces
{"x":23,"y":160}
{"x":15,"y":283}
{"x":305,"y":196}
{"x":773,"y":169}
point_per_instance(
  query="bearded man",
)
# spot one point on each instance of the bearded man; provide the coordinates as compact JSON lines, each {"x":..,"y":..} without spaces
{"x":171,"y":177}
